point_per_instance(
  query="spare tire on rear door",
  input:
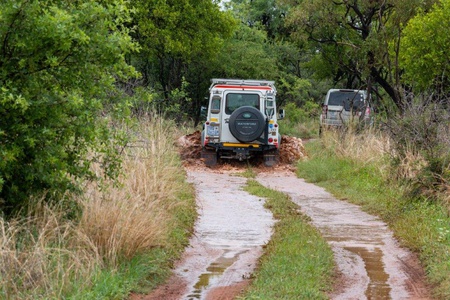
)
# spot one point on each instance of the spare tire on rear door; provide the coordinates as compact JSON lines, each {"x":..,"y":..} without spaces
{"x":247,"y":124}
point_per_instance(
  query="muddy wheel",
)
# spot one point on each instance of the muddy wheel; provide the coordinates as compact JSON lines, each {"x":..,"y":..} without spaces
{"x":209,"y":157}
{"x":247,"y":124}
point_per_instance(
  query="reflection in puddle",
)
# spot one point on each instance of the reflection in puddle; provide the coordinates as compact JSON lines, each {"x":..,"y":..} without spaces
{"x":213,"y":273}
{"x":378,"y":287}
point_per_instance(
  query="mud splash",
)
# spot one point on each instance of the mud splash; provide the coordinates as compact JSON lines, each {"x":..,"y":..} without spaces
{"x":372,"y":265}
{"x":291,"y":150}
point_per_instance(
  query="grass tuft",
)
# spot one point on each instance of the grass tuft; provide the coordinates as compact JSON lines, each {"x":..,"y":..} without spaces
{"x":298,"y":262}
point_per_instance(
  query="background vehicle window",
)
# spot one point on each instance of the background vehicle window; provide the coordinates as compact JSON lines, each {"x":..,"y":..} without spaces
{"x":340,"y":98}
{"x":235,"y":100}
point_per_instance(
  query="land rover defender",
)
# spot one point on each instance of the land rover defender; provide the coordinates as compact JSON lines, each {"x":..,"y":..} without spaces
{"x":241,"y":121}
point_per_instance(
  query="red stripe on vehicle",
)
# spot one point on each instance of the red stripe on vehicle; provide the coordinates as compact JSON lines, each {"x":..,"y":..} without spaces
{"x":243,"y":87}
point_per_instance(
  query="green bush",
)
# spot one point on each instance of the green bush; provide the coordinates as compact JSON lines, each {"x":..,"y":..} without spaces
{"x":301,"y":121}
{"x":423,"y":129}
{"x":59,"y":63}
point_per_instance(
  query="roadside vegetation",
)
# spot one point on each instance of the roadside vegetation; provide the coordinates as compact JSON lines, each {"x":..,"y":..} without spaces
{"x":77,"y":186}
{"x":301,"y":122}
{"x":124,"y":236}
{"x":394,"y":177}
{"x":297,"y":262}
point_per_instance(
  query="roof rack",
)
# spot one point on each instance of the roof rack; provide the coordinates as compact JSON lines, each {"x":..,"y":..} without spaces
{"x":252,"y":82}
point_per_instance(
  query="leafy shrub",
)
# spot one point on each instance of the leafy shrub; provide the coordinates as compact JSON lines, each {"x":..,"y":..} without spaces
{"x":59,"y":60}
{"x":423,"y":131}
{"x":301,"y":122}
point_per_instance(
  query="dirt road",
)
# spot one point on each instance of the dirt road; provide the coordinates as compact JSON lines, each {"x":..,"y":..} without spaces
{"x":233,"y":227}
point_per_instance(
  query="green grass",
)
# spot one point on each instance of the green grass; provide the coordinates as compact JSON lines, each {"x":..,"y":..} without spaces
{"x":298,"y":262}
{"x":421,"y":225}
{"x":305,"y":129}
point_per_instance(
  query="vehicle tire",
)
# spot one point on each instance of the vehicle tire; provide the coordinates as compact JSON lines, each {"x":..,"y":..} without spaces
{"x":247,"y":124}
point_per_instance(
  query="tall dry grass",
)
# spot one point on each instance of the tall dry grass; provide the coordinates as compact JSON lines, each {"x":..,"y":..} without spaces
{"x":123,"y":221}
{"x":377,"y":148}
{"x":41,"y":256}
{"x":47,"y":256}
{"x":370,"y":146}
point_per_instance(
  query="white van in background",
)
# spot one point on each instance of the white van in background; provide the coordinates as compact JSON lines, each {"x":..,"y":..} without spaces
{"x":343,"y":106}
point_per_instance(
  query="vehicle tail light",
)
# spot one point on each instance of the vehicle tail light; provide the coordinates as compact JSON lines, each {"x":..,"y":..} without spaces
{"x":324,"y":110}
{"x":270,"y":140}
{"x":367,"y":112}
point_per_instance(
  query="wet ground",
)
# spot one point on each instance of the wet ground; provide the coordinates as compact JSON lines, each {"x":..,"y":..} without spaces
{"x":371,"y":264}
{"x":229,"y":236}
{"x":233,"y":228}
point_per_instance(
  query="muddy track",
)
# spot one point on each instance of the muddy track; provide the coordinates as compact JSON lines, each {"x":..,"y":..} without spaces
{"x":233,"y":227}
{"x":371,"y":263}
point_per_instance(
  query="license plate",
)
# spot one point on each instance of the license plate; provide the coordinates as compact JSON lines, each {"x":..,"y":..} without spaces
{"x":332,"y":114}
{"x":212,"y":130}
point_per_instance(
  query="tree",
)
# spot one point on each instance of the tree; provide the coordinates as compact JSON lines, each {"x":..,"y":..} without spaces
{"x":261,"y":49}
{"x":174,"y":33}
{"x":59,"y":61}
{"x":357,"y":41}
{"x":425,"y":45}
{"x":268,"y":14}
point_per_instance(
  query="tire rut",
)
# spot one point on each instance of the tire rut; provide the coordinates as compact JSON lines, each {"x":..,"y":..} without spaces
{"x":371,"y":263}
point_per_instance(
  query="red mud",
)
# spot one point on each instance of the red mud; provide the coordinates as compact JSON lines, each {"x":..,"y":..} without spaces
{"x":291,"y":150}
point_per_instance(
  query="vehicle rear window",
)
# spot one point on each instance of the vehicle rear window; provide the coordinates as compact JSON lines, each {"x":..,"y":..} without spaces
{"x":343,"y":98}
{"x":236,"y":100}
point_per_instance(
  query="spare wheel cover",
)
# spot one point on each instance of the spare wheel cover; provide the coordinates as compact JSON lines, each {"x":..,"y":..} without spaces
{"x":246,"y":124}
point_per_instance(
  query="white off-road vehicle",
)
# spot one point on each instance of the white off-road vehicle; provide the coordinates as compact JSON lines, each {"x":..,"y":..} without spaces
{"x":241,"y":121}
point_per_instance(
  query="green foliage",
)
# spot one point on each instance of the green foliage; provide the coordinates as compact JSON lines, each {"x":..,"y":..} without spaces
{"x":301,"y":121}
{"x":181,"y":28}
{"x":59,"y":61}
{"x":179,"y":41}
{"x":246,"y":55}
{"x":425,"y":45}
{"x":267,"y":14}
{"x":355,"y":44}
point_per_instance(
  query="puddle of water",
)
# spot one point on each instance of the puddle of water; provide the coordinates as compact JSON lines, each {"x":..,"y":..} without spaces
{"x":378,"y":287}
{"x":213,"y":272}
